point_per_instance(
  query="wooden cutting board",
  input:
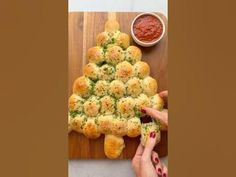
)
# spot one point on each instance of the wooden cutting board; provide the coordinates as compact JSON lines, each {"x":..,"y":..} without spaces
{"x":83,"y":29}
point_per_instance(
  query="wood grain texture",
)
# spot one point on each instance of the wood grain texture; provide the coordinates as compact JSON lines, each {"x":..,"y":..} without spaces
{"x":83,"y":29}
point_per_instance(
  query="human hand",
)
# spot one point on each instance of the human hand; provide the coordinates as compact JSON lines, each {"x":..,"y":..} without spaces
{"x":146,"y":162}
{"x":164,"y":96}
{"x":158,"y":115}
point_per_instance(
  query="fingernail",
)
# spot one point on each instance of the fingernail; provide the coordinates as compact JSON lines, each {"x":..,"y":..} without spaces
{"x":143,"y":110}
{"x":152,"y":135}
{"x":164,"y":175}
{"x":156,"y":160}
{"x":159,"y":170}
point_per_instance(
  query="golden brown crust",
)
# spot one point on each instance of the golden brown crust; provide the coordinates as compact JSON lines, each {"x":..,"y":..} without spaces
{"x":124,"y":71}
{"x":150,"y":86}
{"x":104,"y":122}
{"x":103,"y":39}
{"x":125,"y":107}
{"x":142,"y":101}
{"x":157,"y":102}
{"x":91,"y":70}
{"x":117,"y":89}
{"x":76,"y":103}
{"x":95,"y":55}
{"x":134,"y":87}
{"x":101,"y":88}
{"x":114,"y":55}
{"x":123,"y":40}
{"x":107,"y":105}
{"x":119,"y":126}
{"x":107,"y":72}
{"x":115,"y":85}
{"x":92,"y":106}
{"x":113,"y":146}
{"x":112,"y":26}
{"x":133,"y":54}
{"x":78,"y":122}
{"x":82,"y":87}
{"x":133,"y":127}
{"x":90,"y":129}
{"x":141,"y":69}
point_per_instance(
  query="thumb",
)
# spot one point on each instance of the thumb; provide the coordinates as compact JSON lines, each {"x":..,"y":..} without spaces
{"x":150,"y":144}
{"x":164,"y":94}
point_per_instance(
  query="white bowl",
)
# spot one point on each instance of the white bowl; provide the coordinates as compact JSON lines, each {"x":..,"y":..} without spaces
{"x":142,"y":43}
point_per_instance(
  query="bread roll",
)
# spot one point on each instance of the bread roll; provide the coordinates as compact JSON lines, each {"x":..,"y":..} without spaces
{"x":141,"y":69}
{"x":95,"y":55}
{"x":103,"y":39}
{"x":107,"y":72}
{"x":78,"y":123}
{"x":114,"y":55}
{"x":134,"y":87}
{"x":141,"y":101}
{"x":107,"y":105}
{"x":108,"y":98}
{"x":92,"y":106}
{"x":119,"y":126}
{"x":83,"y":86}
{"x":124,"y":71}
{"x":133,"y":54}
{"x":112,"y":26}
{"x":76,"y":103}
{"x":101,"y":88}
{"x":123,"y":40}
{"x":104,"y":122}
{"x":91,"y":70}
{"x":91,"y":129}
{"x":117,"y":89}
{"x":133,"y":127}
{"x":150,"y":86}
{"x":113,"y":146}
{"x":157,"y":102}
{"x":125,"y":107}
{"x":147,"y":128}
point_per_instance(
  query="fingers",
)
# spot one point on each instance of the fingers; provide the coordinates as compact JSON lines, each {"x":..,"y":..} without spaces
{"x":164,"y":94}
{"x":161,"y":116}
{"x":150,"y":144}
{"x":136,"y":159}
{"x":165,"y":171}
{"x":159,"y":169}
{"x":139,"y":150}
{"x":157,"y":163}
{"x":155,"y":158}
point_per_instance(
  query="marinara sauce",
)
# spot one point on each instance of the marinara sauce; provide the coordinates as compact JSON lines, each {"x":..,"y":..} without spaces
{"x":147,"y":28}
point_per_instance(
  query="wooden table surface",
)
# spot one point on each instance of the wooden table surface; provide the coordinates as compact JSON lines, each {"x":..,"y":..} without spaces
{"x":83,"y":29}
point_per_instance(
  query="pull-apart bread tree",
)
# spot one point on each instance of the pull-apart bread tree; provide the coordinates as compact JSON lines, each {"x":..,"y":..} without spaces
{"x":108,"y":97}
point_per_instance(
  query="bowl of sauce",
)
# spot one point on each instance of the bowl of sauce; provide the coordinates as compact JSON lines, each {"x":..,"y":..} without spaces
{"x":147,"y":29}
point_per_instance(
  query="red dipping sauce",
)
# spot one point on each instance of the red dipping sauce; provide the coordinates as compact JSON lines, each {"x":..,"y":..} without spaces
{"x":147,"y":28}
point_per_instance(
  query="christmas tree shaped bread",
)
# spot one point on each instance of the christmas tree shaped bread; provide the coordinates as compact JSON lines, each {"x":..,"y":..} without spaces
{"x":108,"y":97}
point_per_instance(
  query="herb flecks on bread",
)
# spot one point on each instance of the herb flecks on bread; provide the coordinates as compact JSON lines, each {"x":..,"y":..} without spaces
{"x":108,"y":97}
